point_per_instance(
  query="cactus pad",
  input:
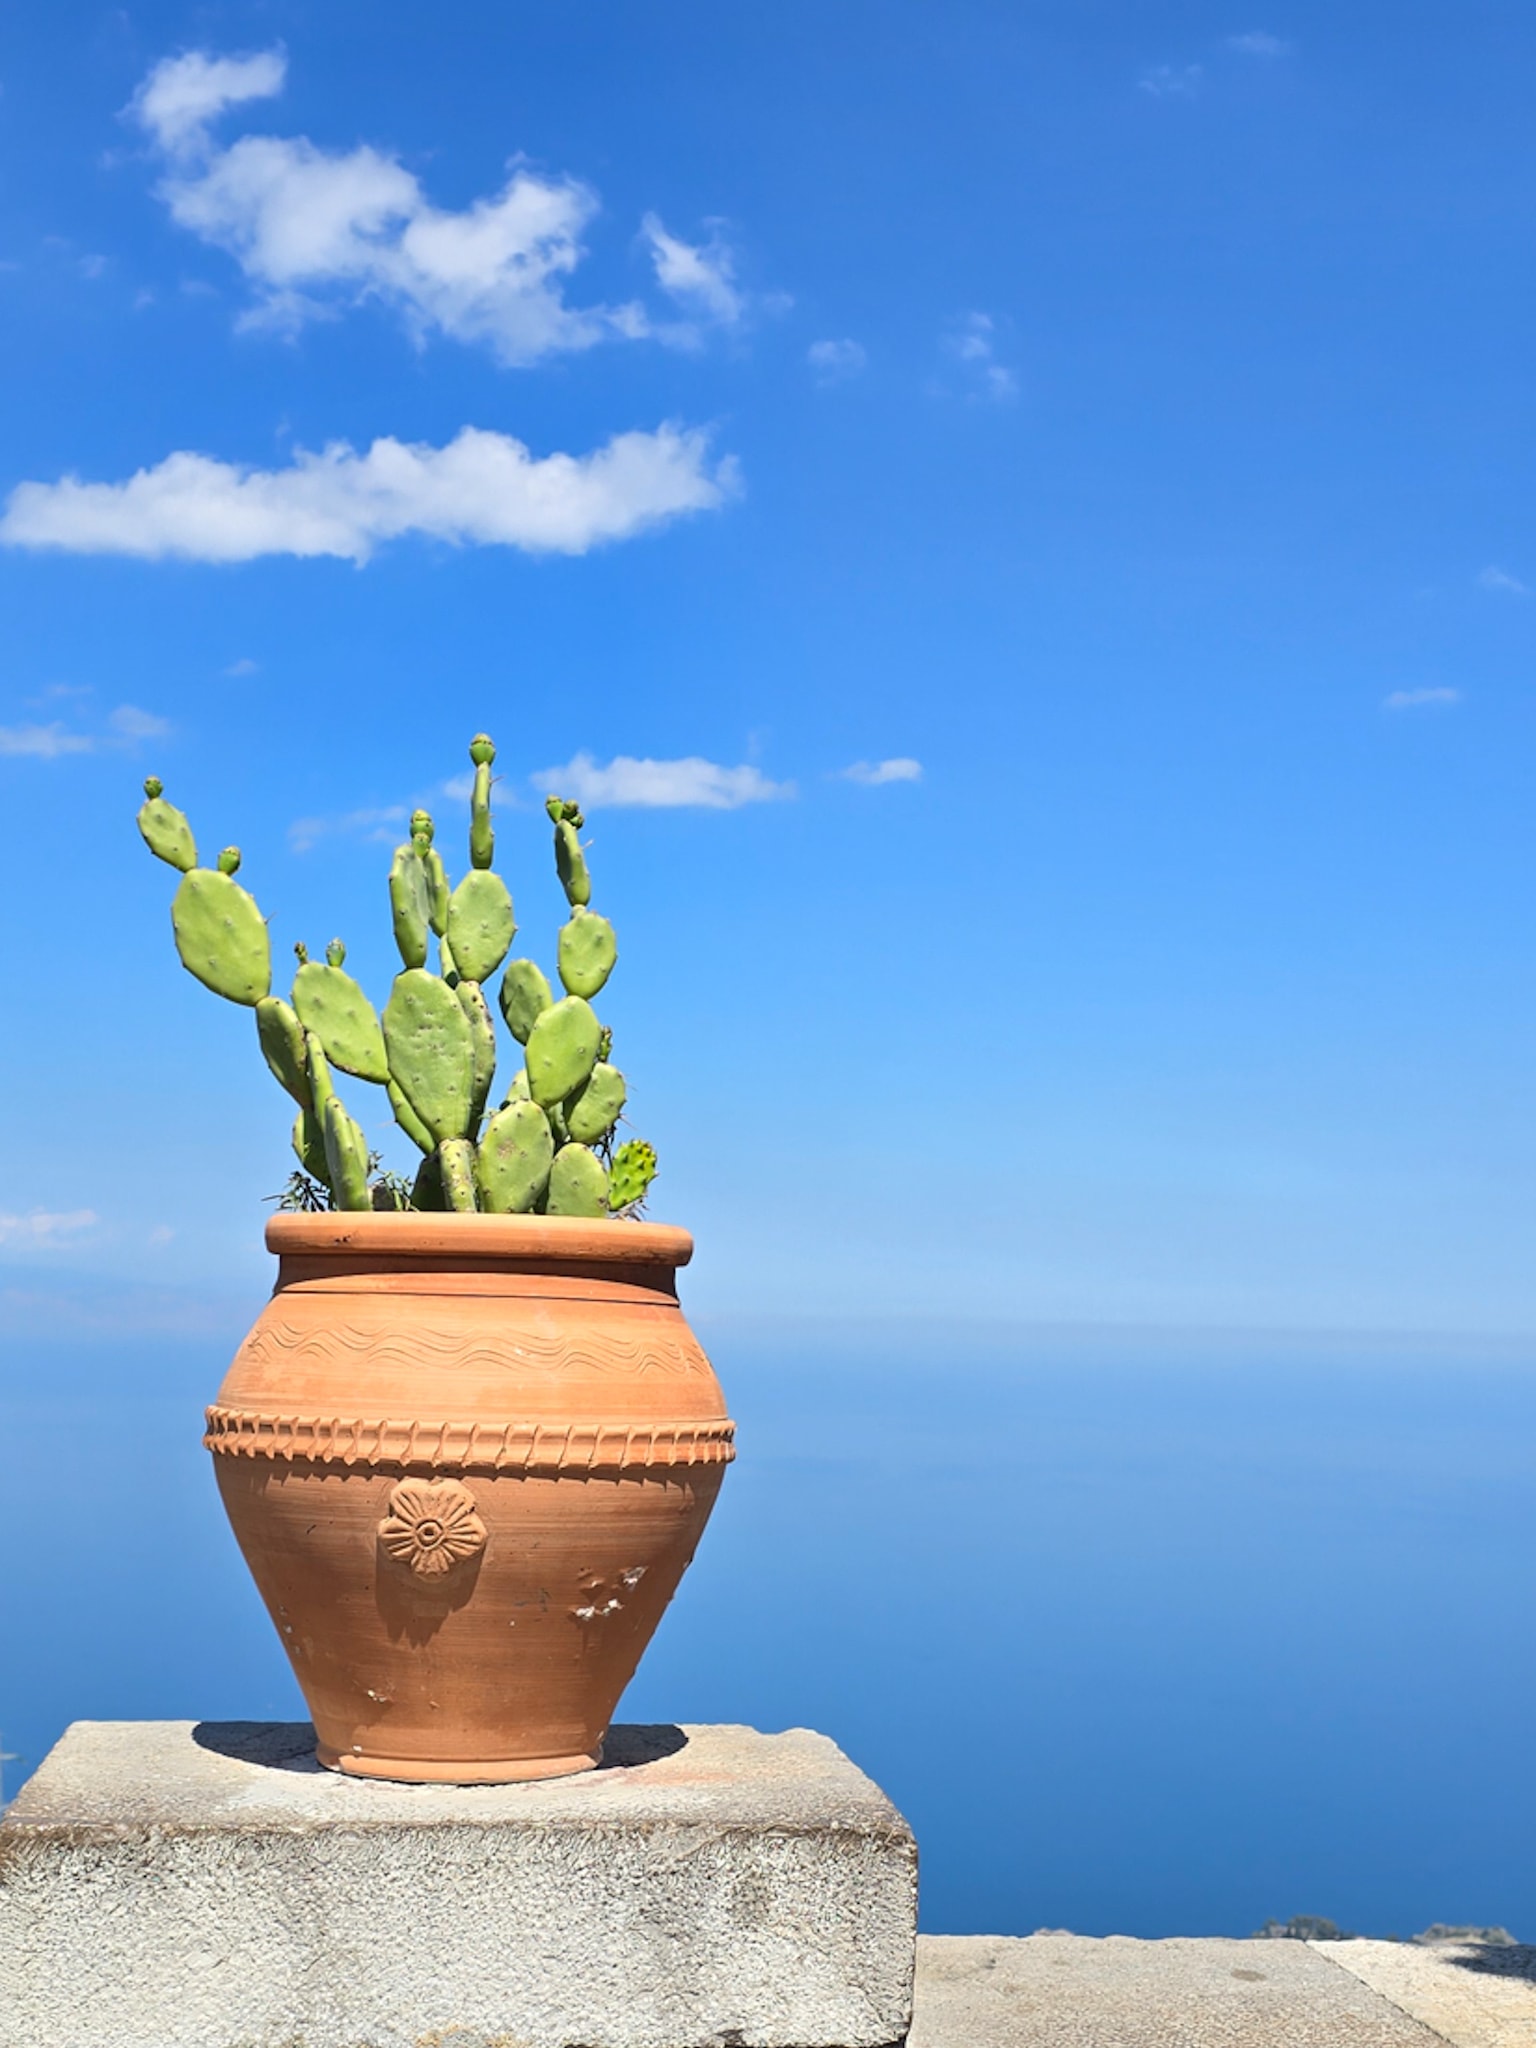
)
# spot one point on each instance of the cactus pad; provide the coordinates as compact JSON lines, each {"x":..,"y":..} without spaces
{"x":480,"y":924}
{"x":166,"y":831}
{"x":482,"y":1047}
{"x":346,"y":1157}
{"x":309,"y":1146}
{"x":514,"y":1158}
{"x":456,"y":1167}
{"x":525,"y":996}
{"x":630,"y":1173}
{"x":588,"y":951}
{"x":282,"y":1047}
{"x":593,"y":1111}
{"x":410,"y":905}
{"x":518,"y":1092}
{"x":330,"y":1003}
{"x":562,"y":1050}
{"x":578,"y":1184}
{"x":222,"y":937}
{"x":571,"y":864}
{"x":408,"y":1120}
{"x":482,"y":840}
{"x":431,"y":1051}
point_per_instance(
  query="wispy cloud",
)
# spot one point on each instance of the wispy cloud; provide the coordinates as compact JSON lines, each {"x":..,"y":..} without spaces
{"x":1258,"y":43}
{"x":125,"y":728}
{"x":481,"y":489}
{"x":692,"y":783}
{"x":1493,"y":578}
{"x":1171,"y":81}
{"x":182,"y":95}
{"x":874,"y":774}
{"x":972,"y":346}
{"x":381,"y":823}
{"x":243,"y":667}
{"x":1412,"y":700}
{"x":45,"y":1227}
{"x":834,"y":362}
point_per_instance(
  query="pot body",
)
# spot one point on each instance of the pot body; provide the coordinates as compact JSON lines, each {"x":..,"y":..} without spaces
{"x":467,"y":1460}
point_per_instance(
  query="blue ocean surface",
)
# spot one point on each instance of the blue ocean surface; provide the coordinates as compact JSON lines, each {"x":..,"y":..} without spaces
{"x":1150,"y":1634}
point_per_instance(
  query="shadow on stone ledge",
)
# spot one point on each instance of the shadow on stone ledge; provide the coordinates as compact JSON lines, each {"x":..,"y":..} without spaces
{"x":290,"y":1745}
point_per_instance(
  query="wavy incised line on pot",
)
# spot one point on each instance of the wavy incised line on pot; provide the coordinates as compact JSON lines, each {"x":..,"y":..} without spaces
{"x":599,"y":1354}
{"x":526,"y":1447}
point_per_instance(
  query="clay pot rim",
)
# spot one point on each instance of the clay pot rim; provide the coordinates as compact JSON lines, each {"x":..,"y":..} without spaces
{"x":384,"y":1234}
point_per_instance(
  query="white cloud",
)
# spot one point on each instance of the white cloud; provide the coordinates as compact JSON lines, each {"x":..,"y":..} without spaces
{"x":700,"y":277}
{"x":835,"y":361}
{"x":973,"y":346}
{"x":126,"y":726}
{"x":1257,"y":43}
{"x":182,"y":95}
{"x":314,"y":229}
{"x":482,"y":488}
{"x":1408,"y":700}
{"x":901,"y":768}
{"x":1171,"y":81}
{"x":381,"y":823}
{"x":40,"y":1226}
{"x":691,"y":783}
{"x":243,"y":667}
{"x":1493,"y":578}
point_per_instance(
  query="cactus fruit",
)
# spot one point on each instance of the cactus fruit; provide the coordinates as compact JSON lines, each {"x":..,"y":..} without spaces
{"x":456,"y":1165}
{"x":408,"y":1120}
{"x":513,"y":1160}
{"x":588,"y":951}
{"x":282,"y":1045}
{"x":410,"y":904}
{"x":562,"y":1050}
{"x":480,"y":924}
{"x":525,"y":996}
{"x":221,"y":936}
{"x":549,"y":1147}
{"x":166,"y":831}
{"x":482,"y":1048}
{"x":330,"y":1003}
{"x":630,"y":1173}
{"x":482,"y":840}
{"x":593,"y":1111}
{"x":578,"y":1184}
{"x":431,"y":1053}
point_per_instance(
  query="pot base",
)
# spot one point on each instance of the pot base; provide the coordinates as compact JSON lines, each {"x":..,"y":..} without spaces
{"x":412,"y":1770}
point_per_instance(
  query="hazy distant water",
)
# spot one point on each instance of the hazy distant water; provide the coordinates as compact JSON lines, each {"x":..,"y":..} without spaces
{"x":1143,"y":1635}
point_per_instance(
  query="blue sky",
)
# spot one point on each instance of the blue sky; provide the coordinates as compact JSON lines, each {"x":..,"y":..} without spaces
{"x":1014,"y":518}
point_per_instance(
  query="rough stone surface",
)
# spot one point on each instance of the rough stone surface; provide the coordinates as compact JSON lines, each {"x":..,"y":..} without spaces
{"x":1067,"y":1991}
{"x":1471,"y":1994}
{"x":170,"y":1886}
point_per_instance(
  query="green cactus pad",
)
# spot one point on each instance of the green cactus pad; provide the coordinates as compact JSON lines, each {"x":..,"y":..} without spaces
{"x":330,"y":1003}
{"x":593,"y":1111}
{"x":408,"y":1120}
{"x":346,"y":1158}
{"x":483,"y":1041}
{"x":514,"y":1158}
{"x":482,"y":840}
{"x":309,"y":1146}
{"x":427,"y":1190}
{"x":410,"y":905}
{"x":588,"y":951}
{"x":456,"y":1165}
{"x":282,"y":1047}
{"x":578,"y":1184}
{"x":518,"y":1092}
{"x":166,"y":831}
{"x":480,"y":924}
{"x":571,"y":864}
{"x":562,"y":1050}
{"x":222,"y":937}
{"x":437,"y":890}
{"x":525,"y":996}
{"x":431,"y":1051}
{"x":630,"y":1173}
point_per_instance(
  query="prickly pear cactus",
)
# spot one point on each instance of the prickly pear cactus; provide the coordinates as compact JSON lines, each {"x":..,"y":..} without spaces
{"x":550,"y":1147}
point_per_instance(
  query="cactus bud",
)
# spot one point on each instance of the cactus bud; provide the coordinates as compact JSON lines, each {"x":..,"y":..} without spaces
{"x":153,"y":787}
{"x":300,"y":952}
{"x":229,"y":861}
{"x":422,"y":826}
{"x":482,"y":750}
{"x":604,"y":1043}
{"x":335,"y":954}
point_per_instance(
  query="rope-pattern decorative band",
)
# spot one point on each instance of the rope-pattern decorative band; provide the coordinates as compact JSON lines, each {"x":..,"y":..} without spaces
{"x":528,"y":1447}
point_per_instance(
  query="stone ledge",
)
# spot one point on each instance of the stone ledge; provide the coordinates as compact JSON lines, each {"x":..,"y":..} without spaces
{"x":170,"y":1886}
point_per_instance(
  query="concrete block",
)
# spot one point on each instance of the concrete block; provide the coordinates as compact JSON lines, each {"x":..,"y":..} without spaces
{"x":165,"y":1885}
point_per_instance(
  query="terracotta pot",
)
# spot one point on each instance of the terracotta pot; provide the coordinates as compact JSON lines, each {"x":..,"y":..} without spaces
{"x":468,"y":1459}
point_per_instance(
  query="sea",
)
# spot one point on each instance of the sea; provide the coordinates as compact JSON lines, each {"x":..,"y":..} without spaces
{"x":1146,"y":1632}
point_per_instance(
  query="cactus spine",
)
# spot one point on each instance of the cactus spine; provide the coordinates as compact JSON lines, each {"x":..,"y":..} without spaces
{"x":551,"y":1146}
